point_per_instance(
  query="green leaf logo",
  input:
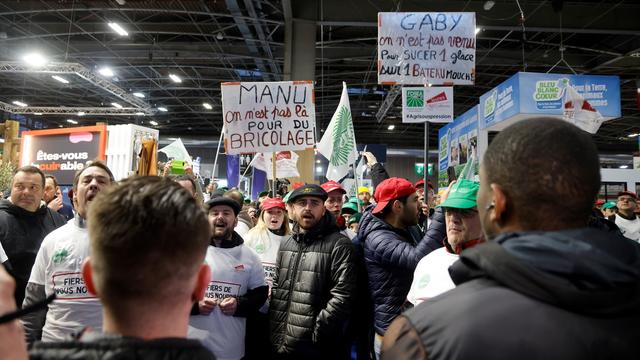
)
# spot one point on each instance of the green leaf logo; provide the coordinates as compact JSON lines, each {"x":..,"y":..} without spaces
{"x":415,"y":98}
{"x":342,"y":140}
{"x":59,"y":256}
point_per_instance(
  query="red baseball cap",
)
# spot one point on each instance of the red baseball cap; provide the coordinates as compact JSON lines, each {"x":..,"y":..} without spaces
{"x":599,"y":202}
{"x":632,"y":194}
{"x":420,"y":183}
{"x":391,"y":189}
{"x":270,"y":203}
{"x":331,"y":185}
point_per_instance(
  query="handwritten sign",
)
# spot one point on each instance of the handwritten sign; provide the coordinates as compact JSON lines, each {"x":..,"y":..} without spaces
{"x":426,"y":48}
{"x":434,"y":104}
{"x":268,"y":116}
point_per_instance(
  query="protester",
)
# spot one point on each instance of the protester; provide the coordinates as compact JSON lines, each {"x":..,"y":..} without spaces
{"x":333,"y":204}
{"x":237,"y":286}
{"x":244,"y":220}
{"x":349,"y":208}
{"x":148,"y":241}
{"x":312,"y":295}
{"x":58,"y":268}
{"x":354,"y":221}
{"x":545,"y":285}
{"x":431,"y":277}
{"x":626,"y":218}
{"x":24,"y":222}
{"x":390,"y":253}
{"x":53,"y":197}
{"x":609,"y":209}
{"x":265,"y":239}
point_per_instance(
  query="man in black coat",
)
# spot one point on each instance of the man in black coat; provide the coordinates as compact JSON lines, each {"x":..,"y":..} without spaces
{"x":24,"y":222}
{"x":315,"y":285}
{"x":546,"y":285}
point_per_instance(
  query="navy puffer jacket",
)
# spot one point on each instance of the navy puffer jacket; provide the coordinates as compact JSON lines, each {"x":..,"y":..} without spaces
{"x":391,"y":256}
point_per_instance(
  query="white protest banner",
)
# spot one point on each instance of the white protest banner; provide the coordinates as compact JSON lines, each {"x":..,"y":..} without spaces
{"x":286,"y":164}
{"x":426,"y":48}
{"x":268,"y":116}
{"x":421,"y":104}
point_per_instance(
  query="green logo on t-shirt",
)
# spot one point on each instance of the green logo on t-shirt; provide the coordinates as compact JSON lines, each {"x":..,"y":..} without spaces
{"x":424,"y":281}
{"x":59,"y":256}
{"x":260,"y":248}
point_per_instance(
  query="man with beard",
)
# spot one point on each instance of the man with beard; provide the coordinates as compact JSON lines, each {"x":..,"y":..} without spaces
{"x":544,"y":285}
{"x":53,"y":197}
{"x":24,"y":221}
{"x":58,"y":268}
{"x":314,"y":287}
{"x":237,"y":286}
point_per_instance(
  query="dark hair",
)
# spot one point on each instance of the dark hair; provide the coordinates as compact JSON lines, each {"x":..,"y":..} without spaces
{"x":96,"y":163}
{"x":148,"y":236}
{"x":186,"y":177}
{"x":387,"y":209}
{"x":55,"y":182}
{"x":235,"y":195}
{"x":549,"y":170}
{"x":29,"y":169}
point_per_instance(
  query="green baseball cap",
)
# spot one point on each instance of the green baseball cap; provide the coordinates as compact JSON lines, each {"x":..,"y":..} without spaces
{"x":350,"y":206}
{"x":463,"y":195}
{"x":286,"y":197}
{"x":609,"y":205}
{"x":355,"y":218}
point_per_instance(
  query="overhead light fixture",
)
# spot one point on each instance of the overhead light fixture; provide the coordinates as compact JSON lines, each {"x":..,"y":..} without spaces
{"x":19,"y":103}
{"x":138,"y":94}
{"x":114,"y":104}
{"x":391,"y":127}
{"x":318,"y":161}
{"x":175,"y":78}
{"x":219,"y":36}
{"x":71,"y":121}
{"x":81,"y":113}
{"x":117,"y":28}
{"x":478,"y":30}
{"x":34,"y":59}
{"x":207,"y":106}
{"x":139,"y":113}
{"x":163,"y":109}
{"x":37,"y":113}
{"x":1,"y":141}
{"x":105,"y":71}
{"x":319,"y":169}
{"x":61,"y":79}
{"x":488,"y":5}
{"x":623,"y":166}
{"x":153,"y":123}
{"x":630,"y":135}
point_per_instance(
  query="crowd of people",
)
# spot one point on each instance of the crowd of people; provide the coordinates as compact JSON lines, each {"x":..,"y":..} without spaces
{"x":521,"y":261}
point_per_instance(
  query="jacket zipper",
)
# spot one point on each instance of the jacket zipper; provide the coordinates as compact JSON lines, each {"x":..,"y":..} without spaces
{"x":293,"y":283}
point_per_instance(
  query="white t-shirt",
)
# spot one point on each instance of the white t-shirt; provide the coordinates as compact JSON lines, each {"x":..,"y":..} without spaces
{"x":233,"y":272}
{"x":3,"y":255}
{"x":266,"y":244}
{"x":242,"y":228}
{"x":58,"y":267}
{"x":431,"y":277}
{"x":629,"y":228}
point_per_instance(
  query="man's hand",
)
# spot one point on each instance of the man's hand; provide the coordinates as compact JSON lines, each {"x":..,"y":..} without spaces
{"x":166,"y":171}
{"x":55,"y":204}
{"x":445,"y":194}
{"x":371,"y":159}
{"x":228,"y":306}
{"x":12,"y":344}
{"x":207,"y":305}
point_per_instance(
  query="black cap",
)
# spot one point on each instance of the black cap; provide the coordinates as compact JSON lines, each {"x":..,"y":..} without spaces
{"x":223,"y":200}
{"x":264,"y":193}
{"x":308,"y":190}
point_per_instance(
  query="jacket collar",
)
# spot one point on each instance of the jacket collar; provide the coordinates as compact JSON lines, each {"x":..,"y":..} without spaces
{"x":327,"y":225}
{"x":236,"y":240}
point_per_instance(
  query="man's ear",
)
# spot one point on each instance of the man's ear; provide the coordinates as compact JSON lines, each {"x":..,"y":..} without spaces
{"x":87,"y":274}
{"x":499,"y":202}
{"x":202,"y":281}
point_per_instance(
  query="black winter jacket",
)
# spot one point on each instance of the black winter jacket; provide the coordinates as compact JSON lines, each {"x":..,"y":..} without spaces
{"x":571,"y":294}
{"x":122,"y":348}
{"x":21,"y":233}
{"x":312,"y":294}
{"x":391,"y":256}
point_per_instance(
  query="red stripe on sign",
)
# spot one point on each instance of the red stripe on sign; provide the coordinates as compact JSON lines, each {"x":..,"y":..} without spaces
{"x":440,"y":97}
{"x":231,"y":83}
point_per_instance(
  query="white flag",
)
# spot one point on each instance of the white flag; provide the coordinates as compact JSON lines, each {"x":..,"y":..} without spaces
{"x":338,"y":144}
{"x":579,"y":112}
{"x":177,"y":151}
{"x":286,"y":164}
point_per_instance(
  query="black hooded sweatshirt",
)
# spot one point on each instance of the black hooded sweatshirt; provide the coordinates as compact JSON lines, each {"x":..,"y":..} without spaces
{"x":571,"y":294}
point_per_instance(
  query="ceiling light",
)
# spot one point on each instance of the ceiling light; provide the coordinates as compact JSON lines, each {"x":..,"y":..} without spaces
{"x":139,"y":113}
{"x":318,"y":161}
{"x":175,"y":78}
{"x":478,"y":30}
{"x":635,"y":54}
{"x":207,"y":106}
{"x":488,"y":5}
{"x":219,"y":36}
{"x":391,"y":127}
{"x":163,"y":109}
{"x":623,"y":166}
{"x":19,"y":103}
{"x":61,"y":79}
{"x":153,"y":123}
{"x":71,"y":121}
{"x":1,"y":141}
{"x":105,"y":71}
{"x":114,"y":104}
{"x":630,"y":135}
{"x":81,"y":113}
{"x":319,"y":169}
{"x":138,"y":94}
{"x":117,"y":28}
{"x":37,"y":113}
{"x":34,"y":59}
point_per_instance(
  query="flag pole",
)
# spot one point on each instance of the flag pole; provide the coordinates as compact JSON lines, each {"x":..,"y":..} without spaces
{"x":273,"y":171}
{"x":215,"y":162}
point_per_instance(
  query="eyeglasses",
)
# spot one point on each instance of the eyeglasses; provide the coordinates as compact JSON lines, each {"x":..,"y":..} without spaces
{"x":464,"y":213}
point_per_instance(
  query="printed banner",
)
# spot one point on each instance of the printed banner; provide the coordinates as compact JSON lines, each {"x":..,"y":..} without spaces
{"x":458,"y":142}
{"x":421,"y":104}
{"x":220,"y":290}
{"x":269,"y":272}
{"x":426,"y":48}
{"x":286,"y":164}
{"x":70,"y":286}
{"x":268,"y":116}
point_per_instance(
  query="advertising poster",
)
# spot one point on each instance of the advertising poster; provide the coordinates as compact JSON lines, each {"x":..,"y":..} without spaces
{"x":61,"y":152}
{"x":426,"y":48}
{"x":458,"y":143}
{"x":433,"y":104}
{"x":268,"y":116}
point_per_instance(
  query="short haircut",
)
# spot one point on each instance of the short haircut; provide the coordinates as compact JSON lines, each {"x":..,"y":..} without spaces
{"x":388,"y":208}
{"x":96,"y":163}
{"x":235,"y":195}
{"x":186,"y":177}
{"x":29,"y":169}
{"x":550,"y":171}
{"x":148,"y":237}
{"x":55,"y":181}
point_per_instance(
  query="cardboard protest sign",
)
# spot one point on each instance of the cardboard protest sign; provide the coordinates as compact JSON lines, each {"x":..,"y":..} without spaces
{"x":268,"y":116}
{"x":426,"y":48}
{"x":421,"y":104}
